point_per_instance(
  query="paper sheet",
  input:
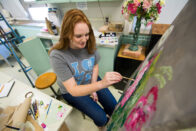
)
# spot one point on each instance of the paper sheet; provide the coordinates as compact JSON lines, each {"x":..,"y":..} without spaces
{"x":6,"y":88}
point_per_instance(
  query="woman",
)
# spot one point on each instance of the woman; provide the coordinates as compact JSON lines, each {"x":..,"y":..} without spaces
{"x":75,"y":61}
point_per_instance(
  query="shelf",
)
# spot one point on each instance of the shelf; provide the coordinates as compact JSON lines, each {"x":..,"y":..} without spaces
{"x":140,"y":58}
{"x":159,"y":29}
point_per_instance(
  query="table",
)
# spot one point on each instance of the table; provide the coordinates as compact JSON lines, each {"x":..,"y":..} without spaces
{"x":159,"y":29}
{"x":140,"y":58}
{"x":17,"y":96}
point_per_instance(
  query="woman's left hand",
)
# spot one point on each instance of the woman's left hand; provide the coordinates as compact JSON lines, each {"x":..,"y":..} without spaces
{"x":94,"y":96}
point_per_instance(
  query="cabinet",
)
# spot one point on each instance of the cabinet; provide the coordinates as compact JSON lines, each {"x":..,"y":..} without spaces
{"x":35,"y":53}
{"x":27,"y":31}
{"x":106,"y":62}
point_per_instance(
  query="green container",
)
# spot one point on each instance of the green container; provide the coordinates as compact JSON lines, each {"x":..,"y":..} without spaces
{"x":128,"y":39}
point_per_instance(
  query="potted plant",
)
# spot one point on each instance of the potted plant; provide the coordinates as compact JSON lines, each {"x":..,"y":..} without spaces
{"x":148,"y":10}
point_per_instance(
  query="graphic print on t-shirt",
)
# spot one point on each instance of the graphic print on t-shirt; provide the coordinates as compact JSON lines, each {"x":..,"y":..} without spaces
{"x":87,"y":66}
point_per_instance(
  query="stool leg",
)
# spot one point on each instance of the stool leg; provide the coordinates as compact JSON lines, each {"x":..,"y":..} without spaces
{"x":83,"y":115}
{"x":54,"y":91}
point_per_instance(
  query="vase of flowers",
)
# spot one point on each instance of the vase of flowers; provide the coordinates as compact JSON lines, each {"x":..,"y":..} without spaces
{"x":147,"y":10}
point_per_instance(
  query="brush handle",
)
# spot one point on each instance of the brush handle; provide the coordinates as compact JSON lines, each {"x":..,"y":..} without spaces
{"x":128,"y":78}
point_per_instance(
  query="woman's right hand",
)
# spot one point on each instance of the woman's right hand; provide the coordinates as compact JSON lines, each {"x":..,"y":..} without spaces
{"x":111,"y":78}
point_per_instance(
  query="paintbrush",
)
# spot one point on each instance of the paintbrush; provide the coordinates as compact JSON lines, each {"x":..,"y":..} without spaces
{"x":128,"y":78}
{"x":48,"y":108}
{"x":11,"y":127}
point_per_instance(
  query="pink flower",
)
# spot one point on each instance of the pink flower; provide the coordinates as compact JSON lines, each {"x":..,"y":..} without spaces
{"x":147,"y":4}
{"x":136,"y":2}
{"x":149,"y":23}
{"x":158,"y":8}
{"x":122,"y":11}
{"x":132,"y":8}
{"x":147,"y":9}
{"x":126,"y":16}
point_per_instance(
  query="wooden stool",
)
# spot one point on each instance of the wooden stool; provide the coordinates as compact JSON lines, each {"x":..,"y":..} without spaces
{"x":46,"y":80}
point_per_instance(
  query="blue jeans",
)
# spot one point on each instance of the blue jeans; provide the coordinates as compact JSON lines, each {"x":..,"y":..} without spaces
{"x":89,"y":107}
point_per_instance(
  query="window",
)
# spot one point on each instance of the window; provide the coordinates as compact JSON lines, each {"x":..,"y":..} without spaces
{"x":36,"y":15}
{"x":26,"y":9}
{"x":15,"y":9}
{"x":36,"y":11}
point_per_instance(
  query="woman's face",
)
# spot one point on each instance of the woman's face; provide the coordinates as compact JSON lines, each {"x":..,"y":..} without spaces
{"x":80,"y":37}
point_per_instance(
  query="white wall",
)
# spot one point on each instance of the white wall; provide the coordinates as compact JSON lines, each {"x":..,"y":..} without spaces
{"x":93,"y":12}
{"x":171,"y":10}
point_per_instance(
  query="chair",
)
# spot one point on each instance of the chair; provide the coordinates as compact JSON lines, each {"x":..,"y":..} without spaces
{"x":47,"y":80}
{"x":5,"y":53}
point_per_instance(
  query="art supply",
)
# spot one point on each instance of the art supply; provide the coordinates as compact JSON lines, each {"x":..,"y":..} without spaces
{"x":29,"y":94}
{"x":46,"y":107}
{"x":43,"y":125}
{"x":11,"y":127}
{"x":49,"y":108}
{"x":108,"y":39}
{"x":35,"y":109}
{"x":1,"y":88}
{"x":128,"y":78}
{"x":60,"y":106}
{"x":41,"y":103}
{"x":32,"y":113}
{"x":6,"y":88}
